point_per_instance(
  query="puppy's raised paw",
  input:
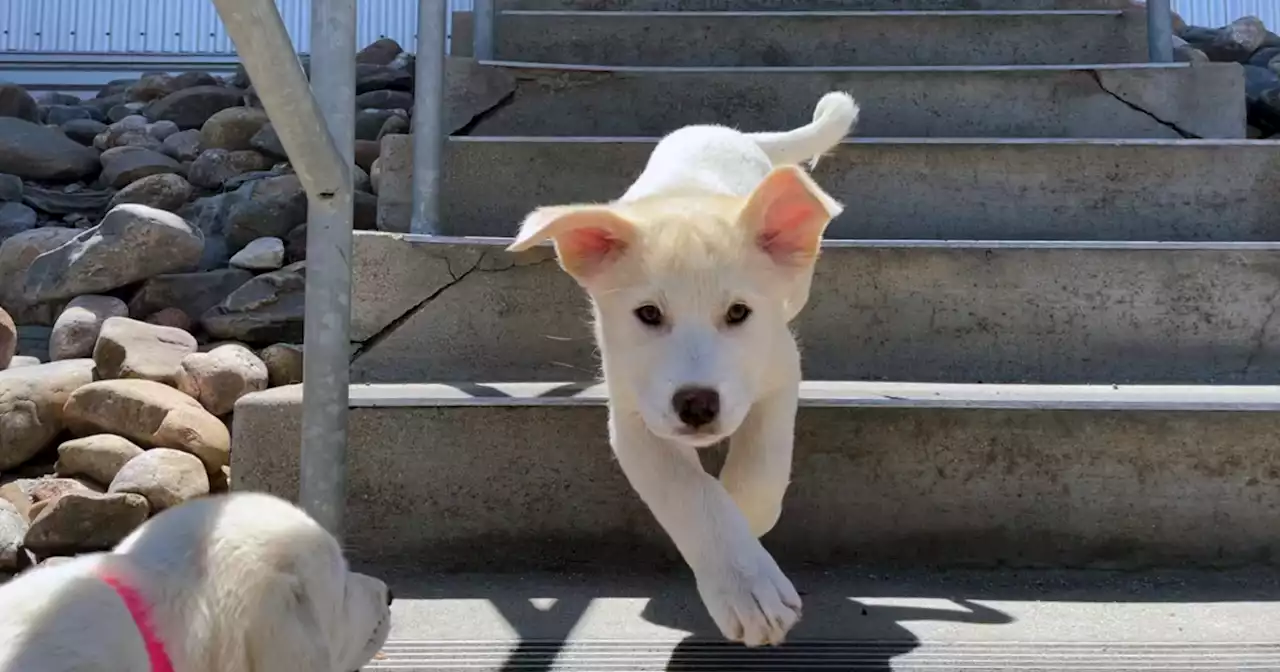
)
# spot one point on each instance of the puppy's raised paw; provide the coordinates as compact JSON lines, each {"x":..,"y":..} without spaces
{"x":750,"y":599}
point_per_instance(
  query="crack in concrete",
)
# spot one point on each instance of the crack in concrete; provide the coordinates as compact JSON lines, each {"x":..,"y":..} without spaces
{"x":455,"y":278}
{"x":1187,"y":135}
{"x":1259,"y":341}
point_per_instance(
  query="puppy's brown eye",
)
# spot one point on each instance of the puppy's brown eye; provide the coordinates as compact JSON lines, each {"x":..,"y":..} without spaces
{"x":649,"y":314}
{"x":737,"y":313}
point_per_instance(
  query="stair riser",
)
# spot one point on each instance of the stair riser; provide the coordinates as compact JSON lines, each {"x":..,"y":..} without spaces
{"x":805,"y":5}
{"x":753,"y":40}
{"x":922,"y":190}
{"x":511,"y":488}
{"x":907,"y":313}
{"x":1205,"y":102}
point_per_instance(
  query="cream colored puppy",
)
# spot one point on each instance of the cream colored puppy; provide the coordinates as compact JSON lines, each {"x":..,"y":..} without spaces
{"x":237,"y":583}
{"x":694,"y":274}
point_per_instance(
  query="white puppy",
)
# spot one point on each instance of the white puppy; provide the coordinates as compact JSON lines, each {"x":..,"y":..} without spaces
{"x":694,"y":275}
{"x":237,"y":583}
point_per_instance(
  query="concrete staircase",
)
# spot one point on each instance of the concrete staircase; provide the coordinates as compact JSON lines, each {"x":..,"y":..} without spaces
{"x":1042,"y":353}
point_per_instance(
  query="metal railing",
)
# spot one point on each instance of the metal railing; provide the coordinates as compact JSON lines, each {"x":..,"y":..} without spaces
{"x":316,"y":125}
{"x":1159,"y":31}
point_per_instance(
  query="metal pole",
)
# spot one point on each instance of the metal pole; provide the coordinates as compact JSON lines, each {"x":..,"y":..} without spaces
{"x":264,"y":46}
{"x":263,"y":43}
{"x":326,"y":371}
{"x":428,"y":117}
{"x":482,"y":26}
{"x":1159,"y":31}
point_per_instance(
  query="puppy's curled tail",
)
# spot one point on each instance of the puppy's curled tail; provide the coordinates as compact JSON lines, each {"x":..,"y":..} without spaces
{"x":833,"y":118}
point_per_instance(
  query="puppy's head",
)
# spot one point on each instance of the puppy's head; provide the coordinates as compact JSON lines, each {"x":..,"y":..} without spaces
{"x":692,"y":295}
{"x":309,"y":609}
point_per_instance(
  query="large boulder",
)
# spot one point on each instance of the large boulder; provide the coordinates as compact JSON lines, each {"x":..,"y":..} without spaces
{"x":380,"y":52}
{"x":233,"y":128}
{"x":133,"y":242}
{"x":263,"y":254}
{"x":192,"y":293}
{"x":214,"y":167}
{"x":76,"y":330}
{"x":152,"y":86}
{"x":284,"y":363}
{"x":11,"y":188}
{"x":183,"y":145}
{"x":64,"y":202}
{"x":98,"y":457}
{"x":85,"y":522}
{"x":267,"y":309}
{"x":16,"y":218}
{"x":8,"y":339}
{"x":16,"y":102}
{"x":221,"y":376}
{"x":16,"y":256}
{"x":1236,"y":41}
{"x":13,"y":528}
{"x":163,"y":191}
{"x":128,"y":348}
{"x":151,"y":415}
{"x":164,"y":476}
{"x":268,"y":207}
{"x":31,"y":406}
{"x":122,"y":166}
{"x":35,"y":152}
{"x":191,"y":108}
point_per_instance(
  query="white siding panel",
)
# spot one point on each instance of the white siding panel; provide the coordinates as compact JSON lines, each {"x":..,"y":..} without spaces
{"x":173,"y":26}
{"x":193,"y":26}
{"x":1220,"y":12}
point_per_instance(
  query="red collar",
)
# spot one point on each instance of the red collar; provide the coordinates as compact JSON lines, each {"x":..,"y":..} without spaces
{"x":142,"y":618}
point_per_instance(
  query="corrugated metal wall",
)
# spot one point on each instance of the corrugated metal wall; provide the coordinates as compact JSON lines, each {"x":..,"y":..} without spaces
{"x":171,"y":26}
{"x":1220,"y":12}
{"x":193,"y":27}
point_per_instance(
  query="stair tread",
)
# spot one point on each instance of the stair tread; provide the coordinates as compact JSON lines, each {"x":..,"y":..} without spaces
{"x":853,"y":619}
{"x":818,"y":13}
{"x":838,"y":394}
{"x":779,"y":69}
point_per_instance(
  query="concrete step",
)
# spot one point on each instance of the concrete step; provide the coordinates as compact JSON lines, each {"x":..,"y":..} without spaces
{"x":1135,"y":101}
{"x":491,"y":477}
{"x":909,"y":188}
{"x":1051,"y":621}
{"x":735,"y":39}
{"x":814,"y":5}
{"x":981,"y":311}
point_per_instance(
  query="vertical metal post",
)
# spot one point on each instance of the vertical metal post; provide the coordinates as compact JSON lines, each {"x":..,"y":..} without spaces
{"x":428,"y":117}
{"x":482,"y":25}
{"x":1160,"y":31}
{"x":327,"y":344}
{"x":267,"y":52}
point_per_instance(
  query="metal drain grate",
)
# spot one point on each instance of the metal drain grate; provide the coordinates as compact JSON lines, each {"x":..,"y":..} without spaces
{"x":806,"y":656}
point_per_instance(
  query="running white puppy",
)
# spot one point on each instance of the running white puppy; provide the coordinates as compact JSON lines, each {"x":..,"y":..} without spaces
{"x":236,"y":583}
{"x":694,"y":275}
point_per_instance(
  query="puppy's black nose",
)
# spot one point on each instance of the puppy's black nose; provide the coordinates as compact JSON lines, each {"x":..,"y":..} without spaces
{"x":696,"y":406}
{"x":390,"y":597}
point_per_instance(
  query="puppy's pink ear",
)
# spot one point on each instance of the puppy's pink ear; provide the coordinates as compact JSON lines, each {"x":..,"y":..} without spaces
{"x":587,"y":237}
{"x":788,"y":213}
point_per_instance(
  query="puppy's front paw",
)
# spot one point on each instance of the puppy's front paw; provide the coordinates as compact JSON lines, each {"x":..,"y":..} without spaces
{"x":749,"y":598}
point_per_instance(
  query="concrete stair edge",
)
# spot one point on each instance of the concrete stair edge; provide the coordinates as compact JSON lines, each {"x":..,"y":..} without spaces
{"x":853,"y":619}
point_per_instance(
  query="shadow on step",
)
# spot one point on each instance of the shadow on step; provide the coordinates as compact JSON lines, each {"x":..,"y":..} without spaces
{"x":854,"y":619}
{"x":836,"y":633}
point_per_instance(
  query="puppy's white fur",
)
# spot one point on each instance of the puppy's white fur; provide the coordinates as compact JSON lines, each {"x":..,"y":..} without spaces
{"x":237,"y":583}
{"x":718,"y":220}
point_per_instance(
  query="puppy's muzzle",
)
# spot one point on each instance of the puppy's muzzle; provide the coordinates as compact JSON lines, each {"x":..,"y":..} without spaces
{"x":696,"y":407}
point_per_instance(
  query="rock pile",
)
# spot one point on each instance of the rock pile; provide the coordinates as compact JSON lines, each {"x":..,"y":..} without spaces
{"x":151,"y":252}
{"x":1248,"y":42}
